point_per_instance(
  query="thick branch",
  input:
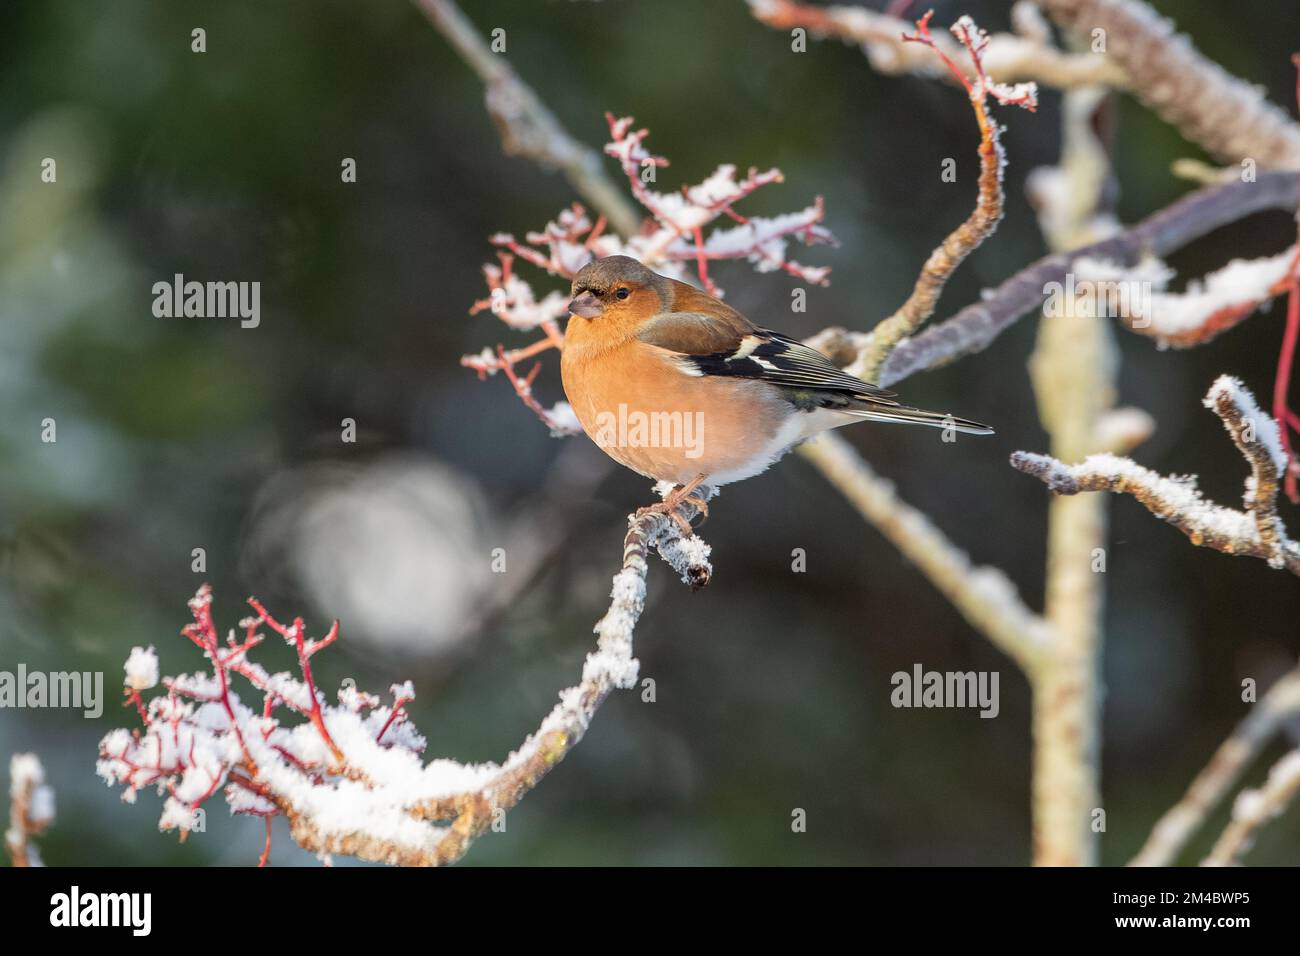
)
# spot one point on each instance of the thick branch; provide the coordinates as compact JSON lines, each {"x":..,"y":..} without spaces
{"x":983,"y":595}
{"x":975,"y":327}
{"x":1073,"y":370}
{"x":1229,"y":117}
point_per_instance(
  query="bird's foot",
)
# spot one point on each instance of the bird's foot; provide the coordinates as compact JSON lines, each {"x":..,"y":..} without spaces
{"x":681,"y":494}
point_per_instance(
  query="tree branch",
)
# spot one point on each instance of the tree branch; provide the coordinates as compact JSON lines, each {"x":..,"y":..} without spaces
{"x":1227,"y":116}
{"x":526,"y":126}
{"x":983,"y":594}
{"x":975,"y":327}
{"x":1225,"y":768}
{"x":31,"y":809}
{"x":1253,"y":808}
{"x":986,"y":215}
{"x":1256,"y":532}
{"x":347,"y":777}
{"x":1010,"y":58}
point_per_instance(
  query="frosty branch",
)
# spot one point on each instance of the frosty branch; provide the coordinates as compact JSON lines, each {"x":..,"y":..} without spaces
{"x":526,"y":126}
{"x":1209,"y":106}
{"x":982,"y":221}
{"x":1232,"y":758}
{"x":976,"y":326}
{"x":1254,"y":808}
{"x":31,"y":809}
{"x":1027,"y":55}
{"x":348,"y":777}
{"x":1257,"y":531}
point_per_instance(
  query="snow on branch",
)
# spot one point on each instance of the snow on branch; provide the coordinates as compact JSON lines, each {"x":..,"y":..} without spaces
{"x":31,"y":809}
{"x":1257,"y":531}
{"x":1208,"y":308}
{"x":1025,"y":55}
{"x":976,"y":326}
{"x":1229,"y":117}
{"x":1233,"y":757}
{"x":1253,"y":808}
{"x":348,"y":777}
{"x":672,"y":241}
{"x":982,"y":221}
{"x":984,"y":595}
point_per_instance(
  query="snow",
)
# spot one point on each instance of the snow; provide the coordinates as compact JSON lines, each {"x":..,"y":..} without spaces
{"x":347,"y":788}
{"x":1264,"y":428}
{"x":142,"y":669}
{"x":1166,"y":315}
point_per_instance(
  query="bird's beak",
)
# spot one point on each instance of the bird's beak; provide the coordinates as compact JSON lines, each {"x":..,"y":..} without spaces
{"x":586,"y":305}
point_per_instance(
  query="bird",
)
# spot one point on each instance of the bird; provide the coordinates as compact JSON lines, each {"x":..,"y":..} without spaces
{"x":679,"y":387}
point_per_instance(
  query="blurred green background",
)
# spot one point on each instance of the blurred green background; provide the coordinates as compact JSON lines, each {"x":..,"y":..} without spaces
{"x":772,"y":687}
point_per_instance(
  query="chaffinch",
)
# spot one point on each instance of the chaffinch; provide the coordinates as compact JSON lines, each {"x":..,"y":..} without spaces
{"x":682,"y":388}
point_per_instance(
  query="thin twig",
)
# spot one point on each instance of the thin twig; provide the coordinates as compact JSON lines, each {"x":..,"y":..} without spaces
{"x":1173,"y":830}
{"x":526,"y":126}
{"x":983,"y":219}
{"x":975,"y":327}
{"x":1254,"y":808}
{"x":1010,"y":58}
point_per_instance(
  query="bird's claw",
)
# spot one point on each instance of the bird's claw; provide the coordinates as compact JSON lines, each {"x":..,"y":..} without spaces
{"x":682,"y":494}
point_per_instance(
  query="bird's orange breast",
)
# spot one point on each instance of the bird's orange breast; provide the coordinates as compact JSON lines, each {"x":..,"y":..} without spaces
{"x":646,"y":413}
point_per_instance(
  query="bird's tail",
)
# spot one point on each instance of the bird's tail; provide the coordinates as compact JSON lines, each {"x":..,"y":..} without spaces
{"x":918,"y":416}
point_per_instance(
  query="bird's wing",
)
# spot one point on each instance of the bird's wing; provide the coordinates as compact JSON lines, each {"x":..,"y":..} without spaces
{"x":721,"y":345}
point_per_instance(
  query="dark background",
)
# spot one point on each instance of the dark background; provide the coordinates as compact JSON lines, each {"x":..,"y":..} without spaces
{"x":772,"y":687}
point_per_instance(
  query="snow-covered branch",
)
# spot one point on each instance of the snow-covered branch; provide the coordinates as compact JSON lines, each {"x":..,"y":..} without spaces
{"x":1172,"y":832}
{"x":526,"y":126}
{"x":986,"y":215}
{"x":983,"y":594}
{"x":1026,"y":55}
{"x":31,"y":809}
{"x":1208,"y":308}
{"x":1229,"y":117}
{"x":1257,"y":531}
{"x":975,"y":327}
{"x":348,"y":777}
{"x":1254,"y":808}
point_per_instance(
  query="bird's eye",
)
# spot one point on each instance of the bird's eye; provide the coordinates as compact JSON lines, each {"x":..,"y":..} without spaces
{"x":622,"y":293}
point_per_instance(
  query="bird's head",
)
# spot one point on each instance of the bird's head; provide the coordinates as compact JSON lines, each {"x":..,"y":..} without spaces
{"x":617,"y":286}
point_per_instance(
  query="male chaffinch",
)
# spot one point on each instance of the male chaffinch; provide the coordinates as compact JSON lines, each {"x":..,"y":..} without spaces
{"x":680,"y":387}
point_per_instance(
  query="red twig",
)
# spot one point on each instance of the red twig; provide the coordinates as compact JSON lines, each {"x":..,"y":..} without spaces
{"x":397,"y":708}
{"x":1287,"y":420}
{"x":294,"y":635}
